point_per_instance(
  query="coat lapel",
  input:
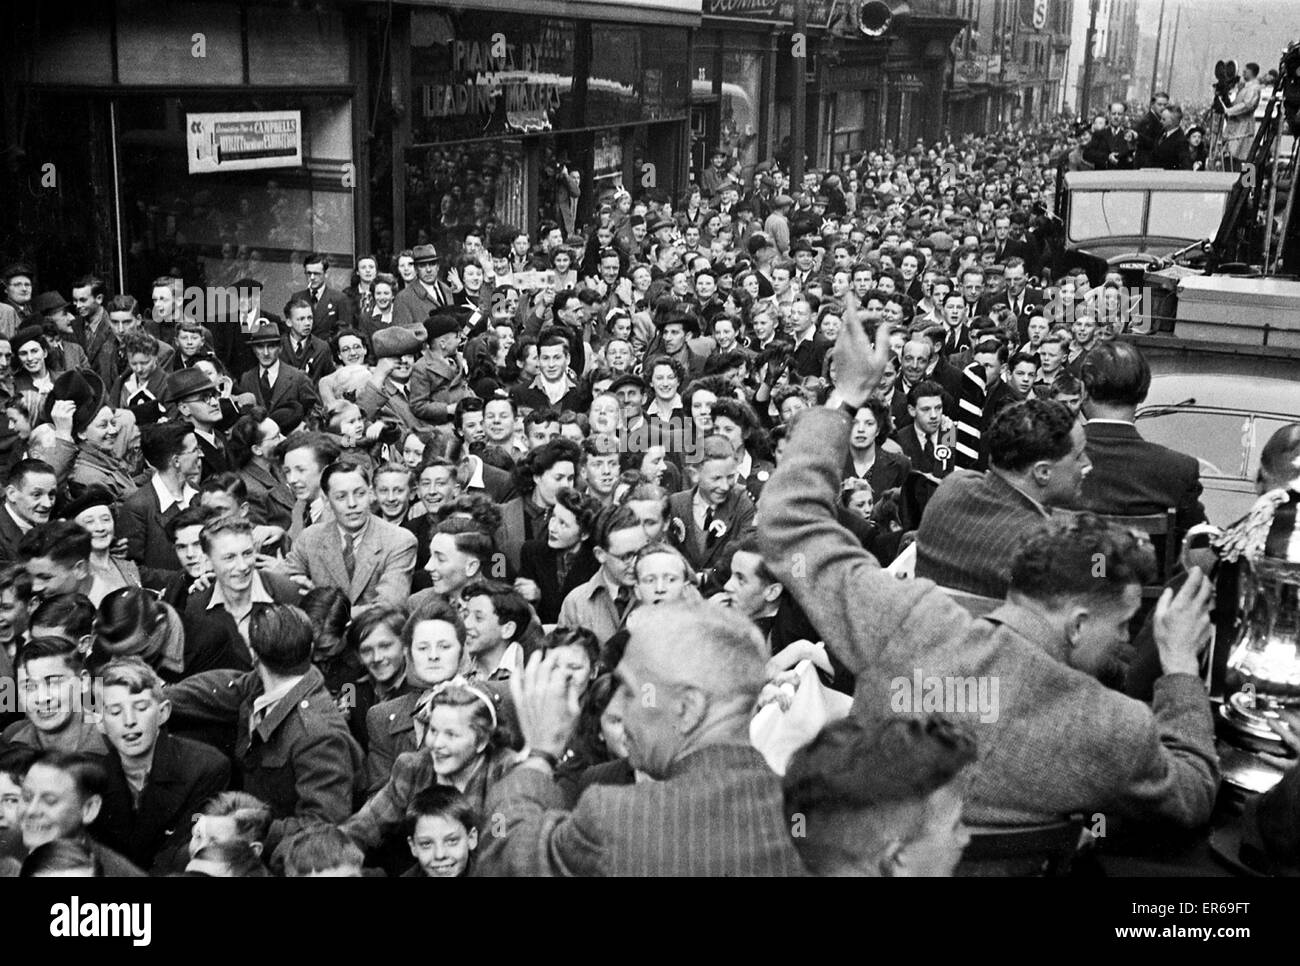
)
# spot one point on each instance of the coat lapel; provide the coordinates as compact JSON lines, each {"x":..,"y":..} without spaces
{"x":367,"y":554}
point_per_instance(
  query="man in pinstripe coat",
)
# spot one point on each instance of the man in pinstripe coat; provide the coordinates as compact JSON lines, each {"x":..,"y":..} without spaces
{"x":688,"y":683}
{"x":975,"y":521}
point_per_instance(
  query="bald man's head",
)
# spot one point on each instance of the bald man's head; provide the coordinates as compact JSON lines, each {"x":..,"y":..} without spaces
{"x":690,"y":677}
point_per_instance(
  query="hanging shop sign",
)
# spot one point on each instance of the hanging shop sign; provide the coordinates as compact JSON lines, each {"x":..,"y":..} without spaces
{"x":243,"y":141}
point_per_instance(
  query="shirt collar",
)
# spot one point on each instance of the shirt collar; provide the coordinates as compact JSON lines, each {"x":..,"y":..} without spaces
{"x":257,"y":593}
{"x":273,"y":372}
{"x":269,"y":699}
{"x":356,"y":537}
{"x":22,"y":524}
{"x":745,"y":465}
{"x":476,"y":478}
{"x":166,"y":499}
{"x":1111,"y":422}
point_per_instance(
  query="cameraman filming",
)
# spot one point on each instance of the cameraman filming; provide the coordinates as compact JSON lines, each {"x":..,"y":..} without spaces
{"x":1239,"y":118}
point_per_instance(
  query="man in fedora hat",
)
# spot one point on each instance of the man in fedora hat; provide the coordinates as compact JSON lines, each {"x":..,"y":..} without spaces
{"x":55,"y":313}
{"x":196,"y":400}
{"x":675,"y":329}
{"x":286,"y":393}
{"x":426,"y":294}
{"x":387,"y":394}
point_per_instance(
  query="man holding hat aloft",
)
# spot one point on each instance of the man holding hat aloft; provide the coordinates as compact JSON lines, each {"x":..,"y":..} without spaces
{"x":286,"y":393}
{"x":438,"y":381}
{"x":386,"y":395}
{"x":426,"y":295}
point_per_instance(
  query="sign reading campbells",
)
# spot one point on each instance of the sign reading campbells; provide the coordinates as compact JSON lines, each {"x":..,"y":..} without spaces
{"x":239,"y":142}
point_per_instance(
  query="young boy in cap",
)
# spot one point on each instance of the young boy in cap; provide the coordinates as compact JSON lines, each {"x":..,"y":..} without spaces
{"x":438,"y":379}
{"x":387,"y":393}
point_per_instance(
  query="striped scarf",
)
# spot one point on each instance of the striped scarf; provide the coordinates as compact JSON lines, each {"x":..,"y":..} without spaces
{"x":970,"y":418}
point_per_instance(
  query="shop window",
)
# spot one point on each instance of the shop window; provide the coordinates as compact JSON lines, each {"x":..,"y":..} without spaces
{"x":451,"y":188}
{"x":216,"y":228}
{"x":742,"y":77}
{"x":189,"y":44}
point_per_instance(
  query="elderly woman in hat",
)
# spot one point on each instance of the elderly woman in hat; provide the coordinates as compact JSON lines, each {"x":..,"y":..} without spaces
{"x":93,"y":512}
{"x":88,"y":442}
{"x":33,"y":380}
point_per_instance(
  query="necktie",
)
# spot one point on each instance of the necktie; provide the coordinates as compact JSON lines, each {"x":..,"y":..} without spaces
{"x":927,"y":449}
{"x":265,"y":385}
{"x":349,"y":555}
{"x":315,"y":297}
{"x":307,"y":519}
{"x":622,"y":601}
{"x":709,"y":537}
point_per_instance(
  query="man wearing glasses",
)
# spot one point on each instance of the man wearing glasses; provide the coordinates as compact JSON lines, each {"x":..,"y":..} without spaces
{"x":196,"y":401}
{"x":331,"y":309}
{"x":602,"y":604}
{"x":415,"y":302}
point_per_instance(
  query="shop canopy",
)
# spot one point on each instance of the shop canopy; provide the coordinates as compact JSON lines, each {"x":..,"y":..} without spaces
{"x":676,"y":13}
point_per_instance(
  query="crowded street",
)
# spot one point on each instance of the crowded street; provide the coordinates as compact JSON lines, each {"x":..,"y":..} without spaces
{"x":664,"y":438}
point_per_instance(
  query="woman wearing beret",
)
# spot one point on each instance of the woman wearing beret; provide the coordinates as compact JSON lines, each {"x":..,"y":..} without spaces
{"x":92,"y":444}
{"x":93,"y":512}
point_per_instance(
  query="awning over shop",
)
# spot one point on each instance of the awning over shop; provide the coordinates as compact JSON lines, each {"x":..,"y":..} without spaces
{"x":677,"y":13}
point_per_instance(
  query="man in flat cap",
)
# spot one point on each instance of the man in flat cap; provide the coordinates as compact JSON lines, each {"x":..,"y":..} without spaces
{"x":387,"y":394}
{"x":438,"y":381}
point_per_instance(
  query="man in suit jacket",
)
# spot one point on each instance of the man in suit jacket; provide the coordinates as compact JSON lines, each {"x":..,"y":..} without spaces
{"x":1171,"y":150}
{"x":331,"y":309}
{"x":30,"y":493}
{"x":1148,"y":130}
{"x":425,"y":295}
{"x":1131,"y":476}
{"x":1112,"y":147}
{"x":92,"y":330}
{"x":706,"y":522}
{"x":156,"y":782}
{"x":292,"y":743}
{"x":922,"y":438}
{"x":1023,"y":301}
{"x":1005,"y":246}
{"x":173,"y":451}
{"x":284,"y":392}
{"x":300,"y":348}
{"x":975,"y":522}
{"x":1062,"y":742}
{"x":708,"y":775}
{"x":369,"y":560}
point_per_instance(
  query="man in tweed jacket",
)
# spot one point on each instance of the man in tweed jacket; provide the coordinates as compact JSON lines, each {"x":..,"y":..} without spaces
{"x":689,"y":679}
{"x":1060,"y":742}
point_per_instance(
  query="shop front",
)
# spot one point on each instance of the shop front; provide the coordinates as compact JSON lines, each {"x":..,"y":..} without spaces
{"x":515,"y":119}
{"x":207,"y":140}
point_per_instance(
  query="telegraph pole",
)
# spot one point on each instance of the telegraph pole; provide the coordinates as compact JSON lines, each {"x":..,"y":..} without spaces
{"x":1155,"y":60}
{"x":1173,"y":52}
{"x":1085,"y":96}
{"x":799,"y":106}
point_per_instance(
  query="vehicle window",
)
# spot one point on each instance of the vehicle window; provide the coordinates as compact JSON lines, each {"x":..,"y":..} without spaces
{"x":1265,"y":427}
{"x":1101,"y":214}
{"x":1221,"y":441}
{"x":1186,"y":214}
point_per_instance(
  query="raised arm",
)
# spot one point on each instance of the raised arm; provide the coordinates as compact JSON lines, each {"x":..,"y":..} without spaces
{"x":857,"y":607}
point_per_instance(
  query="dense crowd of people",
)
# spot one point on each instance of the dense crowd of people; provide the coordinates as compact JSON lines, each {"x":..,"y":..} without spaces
{"x":482,"y":562}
